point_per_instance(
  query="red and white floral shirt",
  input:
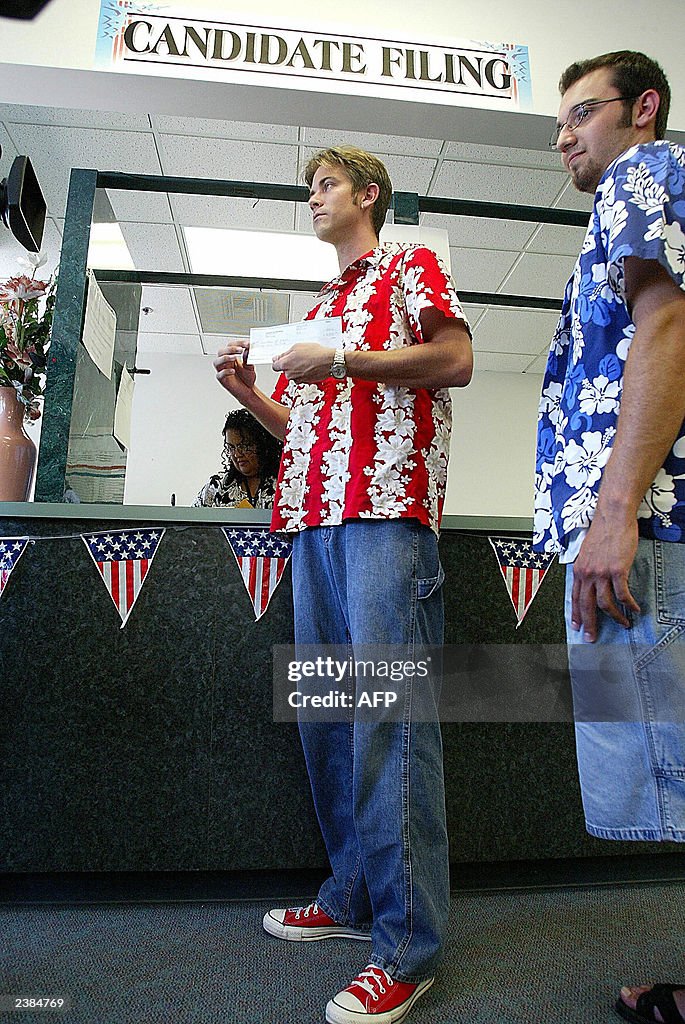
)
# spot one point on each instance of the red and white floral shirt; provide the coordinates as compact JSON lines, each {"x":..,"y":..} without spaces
{"x":356,"y":449}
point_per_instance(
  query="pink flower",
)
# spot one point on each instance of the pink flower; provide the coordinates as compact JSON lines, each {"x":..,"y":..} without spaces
{"x":18,"y":355}
{"x":25,"y":334}
{"x":21,"y":288}
{"x":7,"y":323}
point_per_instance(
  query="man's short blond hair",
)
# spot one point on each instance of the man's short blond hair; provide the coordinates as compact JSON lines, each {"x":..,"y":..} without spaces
{"x":362,"y":169}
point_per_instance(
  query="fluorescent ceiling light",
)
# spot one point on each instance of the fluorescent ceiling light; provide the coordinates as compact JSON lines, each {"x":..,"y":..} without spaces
{"x":286,"y":254}
{"x":107,"y":249}
{"x":280,"y":254}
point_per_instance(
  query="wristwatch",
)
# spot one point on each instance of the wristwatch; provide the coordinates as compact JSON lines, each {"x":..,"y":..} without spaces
{"x":338,"y":367}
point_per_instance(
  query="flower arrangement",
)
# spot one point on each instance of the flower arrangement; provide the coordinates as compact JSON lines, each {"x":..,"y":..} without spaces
{"x":26,"y":311}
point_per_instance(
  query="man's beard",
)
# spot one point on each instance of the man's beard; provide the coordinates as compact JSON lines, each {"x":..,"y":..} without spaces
{"x":588,"y":178}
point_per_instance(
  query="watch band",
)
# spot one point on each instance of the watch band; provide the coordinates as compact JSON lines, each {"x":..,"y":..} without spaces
{"x":338,"y":366}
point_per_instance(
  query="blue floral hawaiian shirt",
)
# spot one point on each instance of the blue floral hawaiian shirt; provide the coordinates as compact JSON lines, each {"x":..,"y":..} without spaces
{"x":639,"y":210}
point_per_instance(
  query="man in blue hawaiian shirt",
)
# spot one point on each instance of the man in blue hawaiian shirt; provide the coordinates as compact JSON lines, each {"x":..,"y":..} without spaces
{"x":610,"y":480}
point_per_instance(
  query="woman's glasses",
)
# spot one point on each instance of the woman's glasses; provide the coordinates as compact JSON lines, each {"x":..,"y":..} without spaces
{"x":246,"y":448}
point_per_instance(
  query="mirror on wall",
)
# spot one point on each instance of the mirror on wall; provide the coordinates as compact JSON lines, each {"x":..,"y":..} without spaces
{"x":178,"y":408}
{"x":172,"y":328}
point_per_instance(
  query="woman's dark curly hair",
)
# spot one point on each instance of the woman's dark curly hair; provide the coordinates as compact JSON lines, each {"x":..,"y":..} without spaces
{"x":269,"y":449}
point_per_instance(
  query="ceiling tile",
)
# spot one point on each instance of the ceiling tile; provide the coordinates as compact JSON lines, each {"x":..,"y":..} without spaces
{"x":233,"y":312}
{"x":493,"y":183}
{"x":572,"y":199}
{"x":178,"y":344}
{"x":537,"y":274}
{"x":481,"y":232}
{"x":233,"y":212}
{"x":538,"y":365}
{"x":300,"y":304}
{"x":75,"y":118}
{"x":303,"y":219}
{"x":473,"y":313}
{"x":502,"y":362}
{"x":322,"y":138}
{"x":502,"y":155}
{"x":9,"y":151}
{"x":410,"y":174}
{"x":480,"y":270}
{"x":54,"y":151}
{"x":172,"y":310}
{"x":514,"y":330}
{"x":211,"y":343}
{"x":209,"y":127}
{"x":557,"y":240}
{"x":225,"y":159}
{"x":154,"y":247}
{"x":140,"y":207}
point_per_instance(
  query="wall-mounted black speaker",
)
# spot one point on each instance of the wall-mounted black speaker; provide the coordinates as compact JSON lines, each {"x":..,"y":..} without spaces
{"x":22,"y":206}
{"x":21,"y":8}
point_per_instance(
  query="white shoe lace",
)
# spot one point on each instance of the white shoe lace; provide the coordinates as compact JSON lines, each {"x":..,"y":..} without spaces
{"x":312,"y":909}
{"x":371,"y":976}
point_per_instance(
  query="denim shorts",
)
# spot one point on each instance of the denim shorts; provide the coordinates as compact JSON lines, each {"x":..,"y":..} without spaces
{"x":629,"y":705}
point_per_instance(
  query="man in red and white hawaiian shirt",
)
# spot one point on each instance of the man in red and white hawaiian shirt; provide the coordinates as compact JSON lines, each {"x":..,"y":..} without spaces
{"x":366,"y":442}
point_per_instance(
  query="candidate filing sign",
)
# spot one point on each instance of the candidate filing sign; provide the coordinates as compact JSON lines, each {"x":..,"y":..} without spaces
{"x":150,"y":39}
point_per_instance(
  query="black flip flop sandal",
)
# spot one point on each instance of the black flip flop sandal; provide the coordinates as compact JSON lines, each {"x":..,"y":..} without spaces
{"x":658,"y":997}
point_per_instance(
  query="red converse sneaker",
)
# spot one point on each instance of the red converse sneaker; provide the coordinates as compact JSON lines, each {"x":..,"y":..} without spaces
{"x":374,"y":998}
{"x":307,"y":924}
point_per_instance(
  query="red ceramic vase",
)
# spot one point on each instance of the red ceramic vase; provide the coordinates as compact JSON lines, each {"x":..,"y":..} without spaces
{"x":17,"y":451}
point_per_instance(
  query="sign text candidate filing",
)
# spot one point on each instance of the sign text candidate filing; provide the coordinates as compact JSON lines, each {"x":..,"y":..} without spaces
{"x":157,"y":39}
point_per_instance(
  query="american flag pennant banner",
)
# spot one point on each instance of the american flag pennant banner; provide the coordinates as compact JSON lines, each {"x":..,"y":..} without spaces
{"x":523,"y":570}
{"x":262,"y":558}
{"x":11,"y":550}
{"x":123,"y":559}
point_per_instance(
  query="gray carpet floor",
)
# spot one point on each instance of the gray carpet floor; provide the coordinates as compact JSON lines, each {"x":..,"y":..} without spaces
{"x":514,"y":957}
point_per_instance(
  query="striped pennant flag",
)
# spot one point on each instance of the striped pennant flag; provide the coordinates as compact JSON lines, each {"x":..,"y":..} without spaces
{"x":523,"y":570}
{"x":123,"y":558}
{"x":262,"y":558}
{"x":11,"y":550}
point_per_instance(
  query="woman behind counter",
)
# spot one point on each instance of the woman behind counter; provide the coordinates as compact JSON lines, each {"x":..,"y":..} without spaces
{"x":250,"y":460}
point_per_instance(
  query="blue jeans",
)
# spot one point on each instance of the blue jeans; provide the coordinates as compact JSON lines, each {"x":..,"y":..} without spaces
{"x":378,"y":785}
{"x":629,"y":705}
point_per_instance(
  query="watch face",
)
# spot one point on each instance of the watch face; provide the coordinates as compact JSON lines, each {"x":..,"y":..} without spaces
{"x":338,"y":368}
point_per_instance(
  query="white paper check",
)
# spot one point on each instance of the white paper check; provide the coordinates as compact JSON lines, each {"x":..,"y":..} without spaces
{"x":268,"y":342}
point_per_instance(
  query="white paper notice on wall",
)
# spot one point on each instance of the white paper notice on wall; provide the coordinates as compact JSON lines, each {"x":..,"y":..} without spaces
{"x":99,"y":328}
{"x":122,"y":410}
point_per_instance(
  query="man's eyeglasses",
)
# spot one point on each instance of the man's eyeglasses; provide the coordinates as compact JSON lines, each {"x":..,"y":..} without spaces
{"x":241,"y":449}
{"x":577,"y":115}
